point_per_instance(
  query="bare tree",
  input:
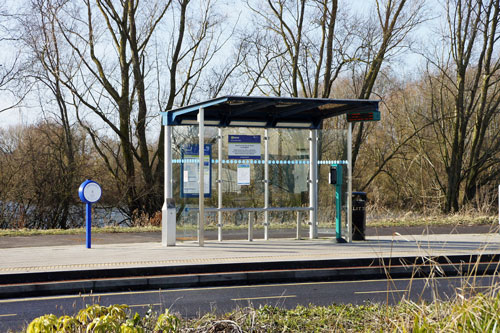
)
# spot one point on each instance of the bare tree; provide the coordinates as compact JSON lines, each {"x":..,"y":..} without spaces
{"x":382,"y":38}
{"x":13,"y":87}
{"x":466,"y":96}
{"x":299,"y":53}
{"x":307,"y":46}
{"x":113,"y":66}
{"x":44,"y":55}
{"x":485,"y":137}
{"x":34,"y":167}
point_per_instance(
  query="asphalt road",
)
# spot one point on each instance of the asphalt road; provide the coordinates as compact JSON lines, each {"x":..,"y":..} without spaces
{"x":15,"y":313}
{"x":142,"y":237}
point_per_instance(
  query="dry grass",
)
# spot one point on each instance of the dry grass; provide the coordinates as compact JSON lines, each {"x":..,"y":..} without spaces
{"x":403,"y":220}
{"x":410,"y":220}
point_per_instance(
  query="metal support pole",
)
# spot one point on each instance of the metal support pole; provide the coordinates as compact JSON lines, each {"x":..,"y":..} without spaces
{"x":88,"y":220}
{"x":499,"y":205}
{"x":201,"y":178}
{"x":168,"y":162}
{"x":349,"y":183}
{"x":219,"y":185}
{"x":266,"y":183}
{"x":168,"y":223}
{"x":250,"y":227}
{"x":298,"y":225}
{"x":313,"y":185}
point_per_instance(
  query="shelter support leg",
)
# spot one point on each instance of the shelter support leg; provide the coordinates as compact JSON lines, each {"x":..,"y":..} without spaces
{"x":219,"y":185}
{"x":349,"y":183}
{"x":299,"y":217}
{"x":201,"y":177}
{"x":266,"y":183}
{"x":313,"y":183}
{"x":168,"y":222}
{"x":250,"y":226}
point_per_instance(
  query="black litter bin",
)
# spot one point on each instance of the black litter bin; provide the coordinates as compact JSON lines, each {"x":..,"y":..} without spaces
{"x":358,"y":215}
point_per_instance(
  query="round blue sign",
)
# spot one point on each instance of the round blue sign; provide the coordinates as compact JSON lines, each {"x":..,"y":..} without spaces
{"x":89,"y":191}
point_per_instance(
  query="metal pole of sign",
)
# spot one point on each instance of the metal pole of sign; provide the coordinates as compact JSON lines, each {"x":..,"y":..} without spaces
{"x":88,"y":220}
{"x":349,"y":183}
{"x":499,"y":205}
{"x":219,"y":185}
{"x":266,"y":183}
{"x":313,"y":185}
{"x":201,"y":178}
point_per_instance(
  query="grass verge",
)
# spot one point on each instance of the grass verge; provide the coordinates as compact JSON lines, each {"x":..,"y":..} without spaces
{"x":78,"y":231}
{"x":404,"y":221}
{"x":440,"y":220}
{"x":479,"y":313}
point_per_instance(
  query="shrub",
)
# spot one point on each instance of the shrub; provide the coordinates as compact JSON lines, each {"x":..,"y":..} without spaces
{"x":50,"y":323}
{"x":167,"y":322}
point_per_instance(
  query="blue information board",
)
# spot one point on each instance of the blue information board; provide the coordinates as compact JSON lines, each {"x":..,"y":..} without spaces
{"x":244,"y":147}
{"x":190,"y":172}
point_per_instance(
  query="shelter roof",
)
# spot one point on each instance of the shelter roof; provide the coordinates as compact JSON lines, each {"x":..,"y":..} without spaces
{"x":268,"y":112}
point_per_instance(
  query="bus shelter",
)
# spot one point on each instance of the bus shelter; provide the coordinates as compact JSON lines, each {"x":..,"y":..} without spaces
{"x":266,"y":113}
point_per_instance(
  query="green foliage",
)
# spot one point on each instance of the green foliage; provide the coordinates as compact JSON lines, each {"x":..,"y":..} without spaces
{"x":104,"y":324}
{"x":167,"y":322}
{"x":317,"y":318}
{"x":68,"y":324}
{"x":43,"y":324}
{"x":50,"y":323}
{"x":132,"y":325}
{"x":97,"y":313}
{"x":94,"y":318}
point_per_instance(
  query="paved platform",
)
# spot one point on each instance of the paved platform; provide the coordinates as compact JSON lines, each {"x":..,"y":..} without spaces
{"x":151,"y":254}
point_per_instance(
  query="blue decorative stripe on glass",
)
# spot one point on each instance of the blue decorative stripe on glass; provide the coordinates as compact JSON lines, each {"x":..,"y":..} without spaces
{"x":280,"y":162}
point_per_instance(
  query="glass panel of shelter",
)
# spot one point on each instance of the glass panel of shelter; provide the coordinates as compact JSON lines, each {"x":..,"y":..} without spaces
{"x":288,"y":178}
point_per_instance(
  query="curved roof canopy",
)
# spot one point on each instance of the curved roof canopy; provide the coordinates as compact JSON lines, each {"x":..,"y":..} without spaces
{"x":271,"y":112}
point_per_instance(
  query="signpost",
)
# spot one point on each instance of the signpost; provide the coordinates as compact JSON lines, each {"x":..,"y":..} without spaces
{"x":244,"y":147}
{"x":89,"y":192}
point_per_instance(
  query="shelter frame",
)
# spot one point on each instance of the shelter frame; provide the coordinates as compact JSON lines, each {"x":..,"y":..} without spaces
{"x":264,"y":112}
